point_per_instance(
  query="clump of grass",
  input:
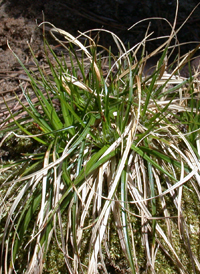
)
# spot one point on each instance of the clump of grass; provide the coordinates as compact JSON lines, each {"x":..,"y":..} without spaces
{"x":116,"y":154}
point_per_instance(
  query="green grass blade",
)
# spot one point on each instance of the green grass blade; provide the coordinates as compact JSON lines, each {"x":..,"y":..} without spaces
{"x":148,"y":159}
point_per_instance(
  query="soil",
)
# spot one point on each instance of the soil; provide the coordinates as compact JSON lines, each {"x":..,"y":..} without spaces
{"x":19,"y":29}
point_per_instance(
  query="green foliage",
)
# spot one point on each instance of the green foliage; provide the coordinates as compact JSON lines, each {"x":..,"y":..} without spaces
{"x":110,"y":155}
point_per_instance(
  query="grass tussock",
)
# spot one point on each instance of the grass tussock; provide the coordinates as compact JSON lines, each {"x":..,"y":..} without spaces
{"x":112,"y":182}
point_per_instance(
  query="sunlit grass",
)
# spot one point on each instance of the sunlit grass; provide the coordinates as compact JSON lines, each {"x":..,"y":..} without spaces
{"x":114,"y":164}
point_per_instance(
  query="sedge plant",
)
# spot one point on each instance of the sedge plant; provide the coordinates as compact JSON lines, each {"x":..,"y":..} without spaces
{"x":114,"y":164}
